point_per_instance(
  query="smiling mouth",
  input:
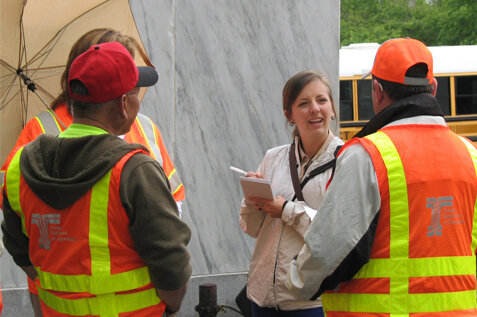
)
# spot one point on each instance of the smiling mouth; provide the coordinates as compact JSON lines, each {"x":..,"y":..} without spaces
{"x":316,"y":120}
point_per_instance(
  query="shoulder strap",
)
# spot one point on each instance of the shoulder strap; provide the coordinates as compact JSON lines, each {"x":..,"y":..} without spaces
{"x":294,"y":173}
{"x":49,"y":123}
{"x":147,"y":128}
{"x":318,"y":170}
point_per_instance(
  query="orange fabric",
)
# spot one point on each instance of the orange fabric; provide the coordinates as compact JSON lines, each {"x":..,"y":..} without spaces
{"x":429,"y":172}
{"x":364,"y":286}
{"x":394,"y":57}
{"x":32,"y":287}
{"x":136,"y":135}
{"x":31,"y":131}
{"x":421,"y":285}
{"x":73,"y":225}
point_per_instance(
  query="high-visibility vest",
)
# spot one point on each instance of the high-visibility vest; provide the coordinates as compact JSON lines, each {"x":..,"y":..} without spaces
{"x":143,"y":131}
{"x":84,"y":254}
{"x":422,"y":261}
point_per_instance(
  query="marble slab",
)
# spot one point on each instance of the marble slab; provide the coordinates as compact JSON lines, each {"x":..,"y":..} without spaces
{"x":223,"y":65}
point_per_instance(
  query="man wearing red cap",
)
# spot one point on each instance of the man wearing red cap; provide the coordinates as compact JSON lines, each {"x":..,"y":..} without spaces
{"x":90,"y":214}
{"x":395,"y":235}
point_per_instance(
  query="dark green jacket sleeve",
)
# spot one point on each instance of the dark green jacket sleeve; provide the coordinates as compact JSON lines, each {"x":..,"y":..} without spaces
{"x":14,"y":240}
{"x":159,"y":235}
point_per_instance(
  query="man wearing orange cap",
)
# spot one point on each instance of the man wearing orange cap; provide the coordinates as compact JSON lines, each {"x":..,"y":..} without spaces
{"x":395,"y":235}
{"x":91,"y":215}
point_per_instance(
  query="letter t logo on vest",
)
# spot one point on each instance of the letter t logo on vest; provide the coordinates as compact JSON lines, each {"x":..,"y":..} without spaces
{"x":42,"y":221}
{"x":436,"y":205}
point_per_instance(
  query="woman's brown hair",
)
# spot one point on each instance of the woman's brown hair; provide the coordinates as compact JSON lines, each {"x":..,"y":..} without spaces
{"x":95,"y":36}
{"x":295,"y":85}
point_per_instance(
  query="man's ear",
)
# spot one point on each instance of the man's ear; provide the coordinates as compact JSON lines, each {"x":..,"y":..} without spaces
{"x":121,"y":106}
{"x":378,"y":90}
{"x":434,"y":86}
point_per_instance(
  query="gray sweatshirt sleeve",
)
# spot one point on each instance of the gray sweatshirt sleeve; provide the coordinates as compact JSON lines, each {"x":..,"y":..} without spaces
{"x":339,"y":240}
{"x":159,"y":235}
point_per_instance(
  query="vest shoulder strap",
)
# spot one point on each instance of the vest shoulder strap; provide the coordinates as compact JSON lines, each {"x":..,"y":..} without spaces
{"x":148,"y":130}
{"x":49,"y":123}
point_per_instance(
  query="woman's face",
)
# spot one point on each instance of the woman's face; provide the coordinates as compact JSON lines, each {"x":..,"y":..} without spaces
{"x":312,"y":110}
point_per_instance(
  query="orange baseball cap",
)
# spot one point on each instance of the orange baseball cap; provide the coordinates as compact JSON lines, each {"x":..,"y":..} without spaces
{"x":394,"y":57}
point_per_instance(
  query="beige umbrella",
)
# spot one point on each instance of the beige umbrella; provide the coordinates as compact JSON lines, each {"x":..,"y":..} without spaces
{"x":35,"y":40}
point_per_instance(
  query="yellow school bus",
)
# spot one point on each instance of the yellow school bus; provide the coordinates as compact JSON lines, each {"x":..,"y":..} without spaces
{"x":455,"y":68}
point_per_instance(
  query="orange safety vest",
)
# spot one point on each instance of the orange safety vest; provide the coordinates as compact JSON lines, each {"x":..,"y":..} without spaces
{"x":143,"y":131}
{"x":85,"y":258}
{"x":422,"y":261}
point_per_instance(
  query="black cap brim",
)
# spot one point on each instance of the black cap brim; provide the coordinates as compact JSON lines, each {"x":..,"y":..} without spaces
{"x":148,"y":76}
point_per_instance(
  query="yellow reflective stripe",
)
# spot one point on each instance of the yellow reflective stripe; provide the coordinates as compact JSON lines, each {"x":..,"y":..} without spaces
{"x":420,"y":267}
{"x":2,"y":175}
{"x":473,"y":154}
{"x":98,"y":236}
{"x":174,"y":181}
{"x":82,"y":283}
{"x":398,"y":209}
{"x":13,"y":187}
{"x":48,"y":123}
{"x":147,"y":129}
{"x":40,"y":124}
{"x":96,"y":305}
{"x":402,"y":304}
{"x":398,"y":200}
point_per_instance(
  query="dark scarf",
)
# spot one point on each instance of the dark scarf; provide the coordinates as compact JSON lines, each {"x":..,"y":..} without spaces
{"x":412,"y":106}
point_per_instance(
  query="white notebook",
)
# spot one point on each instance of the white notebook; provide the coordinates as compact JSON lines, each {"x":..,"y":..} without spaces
{"x":256,"y":187}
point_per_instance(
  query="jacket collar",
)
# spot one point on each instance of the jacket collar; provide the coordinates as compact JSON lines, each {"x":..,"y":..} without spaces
{"x":415,"y":105}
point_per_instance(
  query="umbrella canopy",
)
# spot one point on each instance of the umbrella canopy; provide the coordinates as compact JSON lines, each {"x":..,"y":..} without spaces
{"x":35,"y":39}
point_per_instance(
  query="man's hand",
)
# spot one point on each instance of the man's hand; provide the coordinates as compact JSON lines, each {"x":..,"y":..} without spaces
{"x":172,"y":299}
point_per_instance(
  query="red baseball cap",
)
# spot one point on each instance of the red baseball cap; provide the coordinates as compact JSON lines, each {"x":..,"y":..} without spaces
{"x":108,"y":71}
{"x":394,"y":57}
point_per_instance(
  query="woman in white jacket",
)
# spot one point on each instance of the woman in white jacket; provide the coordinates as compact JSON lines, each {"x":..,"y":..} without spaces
{"x":279,"y":224}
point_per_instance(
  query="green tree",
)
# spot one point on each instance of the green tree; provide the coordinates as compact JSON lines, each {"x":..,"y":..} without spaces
{"x":435,"y":22}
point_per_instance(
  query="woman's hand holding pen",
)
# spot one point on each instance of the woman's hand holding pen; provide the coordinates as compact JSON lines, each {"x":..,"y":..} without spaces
{"x":273,"y":208}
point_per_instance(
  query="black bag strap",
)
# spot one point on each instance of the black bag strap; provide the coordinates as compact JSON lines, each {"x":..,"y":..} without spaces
{"x":318,"y":170}
{"x":294,"y":173}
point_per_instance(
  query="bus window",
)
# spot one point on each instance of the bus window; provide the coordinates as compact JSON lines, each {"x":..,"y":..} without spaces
{"x":443,"y":95}
{"x":346,"y":100}
{"x":466,"y":94}
{"x":365,"y":104}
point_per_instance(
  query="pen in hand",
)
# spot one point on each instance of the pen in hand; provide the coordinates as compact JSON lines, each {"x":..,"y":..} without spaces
{"x":238,"y":170}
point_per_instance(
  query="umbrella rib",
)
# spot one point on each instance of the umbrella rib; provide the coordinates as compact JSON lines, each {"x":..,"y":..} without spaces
{"x":6,"y":65}
{"x":5,"y":102}
{"x":66,"y":25}
{"x":44,"y":52}
{"x":21,"y":42}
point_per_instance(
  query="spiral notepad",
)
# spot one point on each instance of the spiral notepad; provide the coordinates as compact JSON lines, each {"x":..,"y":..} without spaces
{"x":256,"y":187}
